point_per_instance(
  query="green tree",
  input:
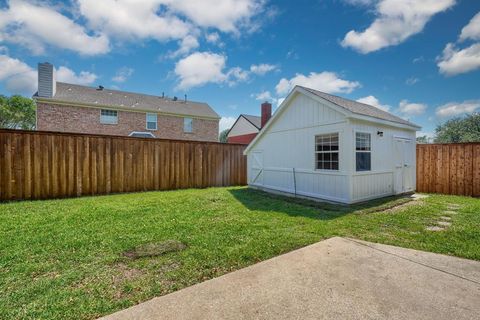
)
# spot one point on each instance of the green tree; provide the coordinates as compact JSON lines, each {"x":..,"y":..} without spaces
{"x":17,"y":112}
{"x":223,"y":136}
{"x":422,"y":139}
{"x":462,"y":129}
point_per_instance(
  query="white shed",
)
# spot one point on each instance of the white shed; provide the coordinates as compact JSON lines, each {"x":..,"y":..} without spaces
{"x":327,"y":147}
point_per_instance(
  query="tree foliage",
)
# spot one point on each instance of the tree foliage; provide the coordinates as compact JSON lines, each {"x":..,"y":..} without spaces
{"x":17,"y":112}
{"x":223,"y":136}
{"x":422,"y":139}
{"x":465,"y":129}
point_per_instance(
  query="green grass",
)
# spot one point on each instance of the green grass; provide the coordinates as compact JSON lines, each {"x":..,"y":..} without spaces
{"x":67,"y":258}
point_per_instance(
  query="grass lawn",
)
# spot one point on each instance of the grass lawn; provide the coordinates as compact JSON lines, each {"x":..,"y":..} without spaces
{"x":76,"y":258}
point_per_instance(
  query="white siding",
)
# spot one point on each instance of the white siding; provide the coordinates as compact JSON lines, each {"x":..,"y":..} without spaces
{"x":380,"y":180}
{"x":290,"y":143}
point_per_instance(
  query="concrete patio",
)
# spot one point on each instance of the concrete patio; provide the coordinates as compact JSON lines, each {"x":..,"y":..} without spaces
{"x":333,"y":279}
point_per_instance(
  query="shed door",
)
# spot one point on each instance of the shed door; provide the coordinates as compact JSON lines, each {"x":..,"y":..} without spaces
{"x":404,"y":153}
{"x":257,"y":168}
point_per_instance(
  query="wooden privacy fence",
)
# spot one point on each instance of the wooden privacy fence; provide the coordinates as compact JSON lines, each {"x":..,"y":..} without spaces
{"x":449,"y":168}
{"x":43,"y":165}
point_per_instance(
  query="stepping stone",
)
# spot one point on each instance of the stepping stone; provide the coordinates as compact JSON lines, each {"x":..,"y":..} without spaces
{"x":450,"y":212}
{"x":445,"y":218}
{"x":434,"y":228}
{"x":444,"y":223}
{"x":453,"y":206}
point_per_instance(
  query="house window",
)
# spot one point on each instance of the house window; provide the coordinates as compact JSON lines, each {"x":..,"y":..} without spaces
{"x":151,"y":121}
{"x":108,"y":116}
{"x":326,"y":152}
{"x":187,"y":125}
{"x":363,"y":151}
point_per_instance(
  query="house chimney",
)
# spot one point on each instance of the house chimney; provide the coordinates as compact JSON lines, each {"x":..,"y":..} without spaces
{"x":47,"y":82}
{"x":266,"y":112}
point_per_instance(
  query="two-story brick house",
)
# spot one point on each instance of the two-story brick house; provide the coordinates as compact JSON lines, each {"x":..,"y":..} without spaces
{"x":73,"y":108}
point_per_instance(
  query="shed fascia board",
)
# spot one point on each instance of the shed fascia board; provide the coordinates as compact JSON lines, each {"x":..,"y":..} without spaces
{"x":115,"y":107}
{"x":385,"y":122}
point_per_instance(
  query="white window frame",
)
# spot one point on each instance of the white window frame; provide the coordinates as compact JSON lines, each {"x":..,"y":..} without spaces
{"x":104,"y":118}
{"x":185,"y":123}
{"x":362,"y":151}
{"x":147,"y":122}
{"x":327,"y":151}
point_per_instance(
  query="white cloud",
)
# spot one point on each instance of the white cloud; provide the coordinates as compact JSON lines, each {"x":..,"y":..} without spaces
{"x":456,"y":61}
{"x":33,"y":26}
{"x":67,"y":75}
{"x":411,"y":81}
{"x":328,"y":82}
{"x":411,"y":109}
{"x":20,"y":78}
{"x":261,"y":69}
{"x":453,"y":109}
{"x":396,"y":21}
{"x":472,"y":29}
{"x":226,"y":123}
{"x":186,"y":45}
{"x":373,"y":101}
{"x":200,"y":68}
{"x":213,"y":37}
{"x":123,"y":74}
{"x":264,"y":96}
{"x":226,"y":15}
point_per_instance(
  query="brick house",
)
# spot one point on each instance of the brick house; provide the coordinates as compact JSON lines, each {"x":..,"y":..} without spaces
{"x":73,"y":108}
{"x":246,"y":127}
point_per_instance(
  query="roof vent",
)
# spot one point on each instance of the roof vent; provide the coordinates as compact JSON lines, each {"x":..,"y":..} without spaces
{"x":100,"y":88}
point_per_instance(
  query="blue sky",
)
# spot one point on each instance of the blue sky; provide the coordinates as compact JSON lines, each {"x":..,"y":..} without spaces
{"x":417,"y":59}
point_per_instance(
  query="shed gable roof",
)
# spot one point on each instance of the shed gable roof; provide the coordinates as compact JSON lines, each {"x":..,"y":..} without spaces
{"x":359,"y":108}
{"x":348,"y":107}
{"x":89,"y":96}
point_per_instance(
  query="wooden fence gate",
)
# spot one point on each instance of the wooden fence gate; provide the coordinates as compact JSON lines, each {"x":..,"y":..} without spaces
{"x":43,"y":165}
{"x":449,"y":168}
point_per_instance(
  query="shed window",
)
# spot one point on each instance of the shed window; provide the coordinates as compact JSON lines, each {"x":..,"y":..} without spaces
{"x":326,"y":152}
{"x":187,"y":124}
{"x":363,"y":151}
{"x":108,"y":116}
{"x":151,"y":121}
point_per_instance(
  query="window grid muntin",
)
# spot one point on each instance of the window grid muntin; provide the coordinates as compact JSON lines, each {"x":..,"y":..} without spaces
{"x":108,"y":116}
{"x":151,"y":119}
{"x":363,"y":148}
{"x":326,"y":151}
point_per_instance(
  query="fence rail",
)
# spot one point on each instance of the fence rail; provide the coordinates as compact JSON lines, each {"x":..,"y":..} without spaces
{"x":43,"y":165}
{"x":449,"y":168}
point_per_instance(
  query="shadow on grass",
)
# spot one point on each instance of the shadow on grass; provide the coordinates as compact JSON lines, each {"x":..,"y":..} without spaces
{"x":263,"y":201}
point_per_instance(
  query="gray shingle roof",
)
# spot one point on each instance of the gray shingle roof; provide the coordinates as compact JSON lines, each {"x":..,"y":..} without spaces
{"x":255,"y":120}
{"x":359,"y":108}
{"x":73,"y":93}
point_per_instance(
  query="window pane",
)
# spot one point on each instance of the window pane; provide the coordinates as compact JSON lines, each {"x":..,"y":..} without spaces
{"x":187,"y":124}
{"x":151,"y":121}
{"x":362,"y":141}
{"x":363,"y":161}
{"x":108,"y":116}
{"x":326,"y":148}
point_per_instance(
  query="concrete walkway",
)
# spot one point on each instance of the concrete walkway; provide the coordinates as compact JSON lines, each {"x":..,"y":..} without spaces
{"x":334,"y":279}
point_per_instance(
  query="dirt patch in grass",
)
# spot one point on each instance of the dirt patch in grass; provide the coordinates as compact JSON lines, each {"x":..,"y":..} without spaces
{"x":155,"y":249}
{"x":404,"y":205}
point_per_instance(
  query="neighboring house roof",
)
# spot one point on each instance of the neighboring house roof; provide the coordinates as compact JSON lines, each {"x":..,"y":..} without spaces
{"x":359,"y":108}
{"x":255,"y":120}
{"x":89,"y":96}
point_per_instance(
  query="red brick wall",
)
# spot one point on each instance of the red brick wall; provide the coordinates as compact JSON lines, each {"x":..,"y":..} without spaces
{"x":51,"y":117}
{"x":243,"y":139}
